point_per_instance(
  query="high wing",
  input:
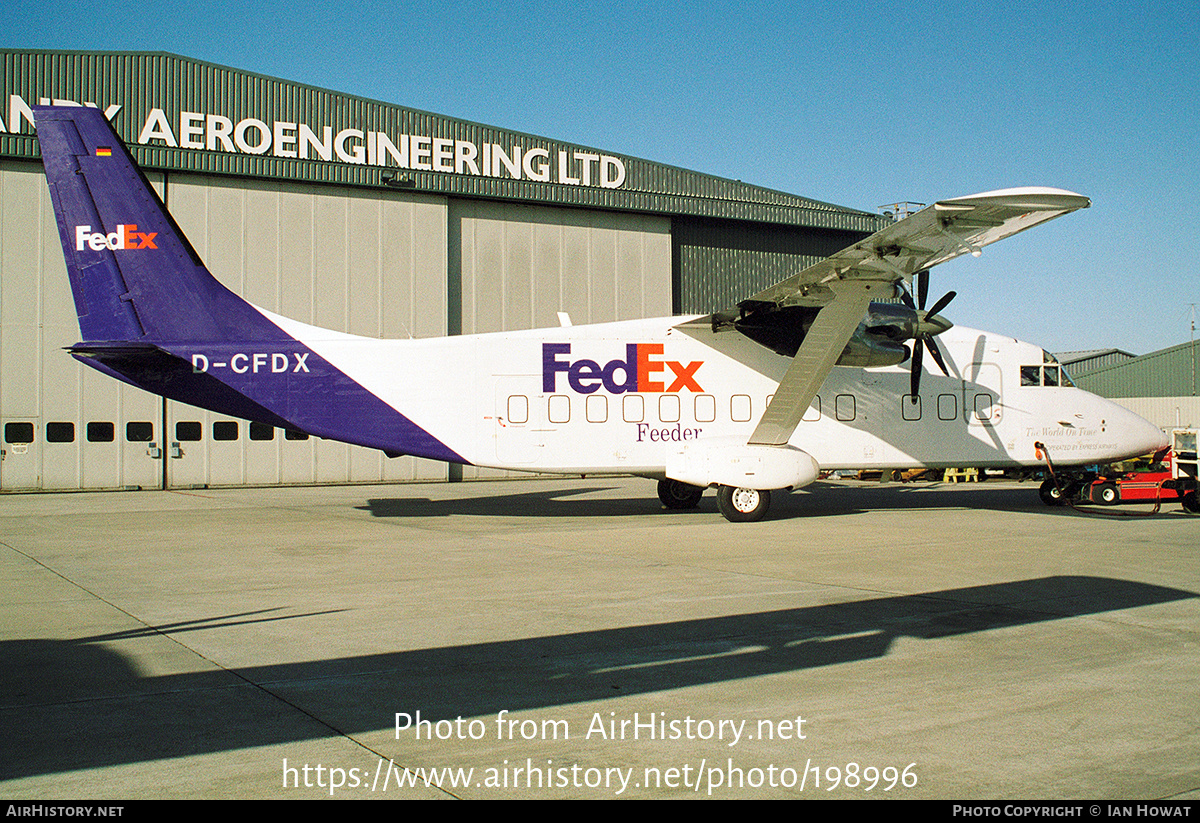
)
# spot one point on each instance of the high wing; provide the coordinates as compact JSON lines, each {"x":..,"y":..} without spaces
{"x":843,"y":285}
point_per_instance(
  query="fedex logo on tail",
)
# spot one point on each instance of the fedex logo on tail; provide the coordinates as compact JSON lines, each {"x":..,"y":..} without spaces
{"x":642,"y":370}
{"x":125,"y":237}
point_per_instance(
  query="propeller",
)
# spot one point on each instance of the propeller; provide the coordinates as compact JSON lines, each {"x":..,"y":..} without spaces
{"x":929,"y":324}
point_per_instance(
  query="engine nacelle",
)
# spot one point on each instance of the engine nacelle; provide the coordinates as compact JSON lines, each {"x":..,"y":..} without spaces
{"x":733,"y":462}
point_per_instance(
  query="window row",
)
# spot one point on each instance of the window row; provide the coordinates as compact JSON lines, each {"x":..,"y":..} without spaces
{"x":99,"y":431}
{"x":669,"y":408}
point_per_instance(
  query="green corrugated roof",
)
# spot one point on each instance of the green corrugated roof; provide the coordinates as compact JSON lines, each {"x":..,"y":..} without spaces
{"x":177,"y":113}
{"x":1169,"y":372}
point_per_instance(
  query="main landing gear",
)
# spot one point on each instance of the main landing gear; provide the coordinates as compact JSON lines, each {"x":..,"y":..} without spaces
{"x":743,"y":505}
{"x":736,"y":504}
{"x":677,"y":495}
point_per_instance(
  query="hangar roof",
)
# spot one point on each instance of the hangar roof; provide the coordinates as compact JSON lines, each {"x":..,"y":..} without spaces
{"x":1169,"y":372}
{"x":177,"y":113}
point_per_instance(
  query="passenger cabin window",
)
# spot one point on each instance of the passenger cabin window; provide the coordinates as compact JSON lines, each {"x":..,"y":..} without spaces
{"x":910,"y":410}
{"x":739,"y":408}
{"x":844,"y":407}
{"x":558,"y":408}
{"x":518,"y":409}
{"x":633,"y":408}
{"x":668,"y":408}
{"x":596,"y":408}
{"x":947,"y":406}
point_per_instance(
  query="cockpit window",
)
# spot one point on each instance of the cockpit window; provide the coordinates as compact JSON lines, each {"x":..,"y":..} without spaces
{"x":1048,"y":374}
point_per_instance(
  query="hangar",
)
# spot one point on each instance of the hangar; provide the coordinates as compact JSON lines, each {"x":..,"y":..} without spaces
{"x":356,"y":215}
{"x":1161,"y":386}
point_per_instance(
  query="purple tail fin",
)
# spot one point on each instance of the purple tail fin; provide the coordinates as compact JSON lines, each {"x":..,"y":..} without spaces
{"x":134,"y":275}
{"x":152,"y":315}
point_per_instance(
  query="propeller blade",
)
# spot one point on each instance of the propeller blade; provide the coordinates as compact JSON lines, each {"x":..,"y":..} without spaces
{"x":922,"y":288}
{"x":936,"y":354}
{"x":942,"y":303}
{"x":914,"y":377}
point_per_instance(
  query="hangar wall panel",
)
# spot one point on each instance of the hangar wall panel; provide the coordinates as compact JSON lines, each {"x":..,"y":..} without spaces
{"x":521,"y":265}
{"x":76,"y":418}
{"x":720,"y":262}
{"x":366,"y":263}
{"x":1165,"y":412}
{"x":361,"y":262}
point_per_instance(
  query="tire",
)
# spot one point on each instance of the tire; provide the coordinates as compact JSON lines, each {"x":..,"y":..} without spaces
{"x":1106,"y":494}
{"x":1049,"y":494}
{"x":1191,"y":501}
{"x":743,"y":505}
{"x":677,"y":495}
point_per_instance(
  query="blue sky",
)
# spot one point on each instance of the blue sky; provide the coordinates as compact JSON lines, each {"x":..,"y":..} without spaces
{"x":855,"y":104}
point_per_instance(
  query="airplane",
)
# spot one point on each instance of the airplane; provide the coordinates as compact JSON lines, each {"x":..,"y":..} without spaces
{"x":746,"y":399}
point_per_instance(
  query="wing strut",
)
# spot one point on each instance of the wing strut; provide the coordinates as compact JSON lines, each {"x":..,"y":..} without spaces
{"x":822,"y":347}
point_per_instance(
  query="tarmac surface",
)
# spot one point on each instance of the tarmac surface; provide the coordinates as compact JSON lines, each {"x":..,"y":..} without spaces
{"x":569,"y":638}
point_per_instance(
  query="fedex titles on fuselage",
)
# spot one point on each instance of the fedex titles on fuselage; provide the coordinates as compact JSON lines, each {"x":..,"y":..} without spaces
{"x":640,"y":371}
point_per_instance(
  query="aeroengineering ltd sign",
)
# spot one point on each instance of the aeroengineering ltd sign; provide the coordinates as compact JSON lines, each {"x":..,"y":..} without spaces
{"x":532,"y":160}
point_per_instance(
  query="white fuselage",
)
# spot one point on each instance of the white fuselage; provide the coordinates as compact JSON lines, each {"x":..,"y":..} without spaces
{"x":624,"y":397}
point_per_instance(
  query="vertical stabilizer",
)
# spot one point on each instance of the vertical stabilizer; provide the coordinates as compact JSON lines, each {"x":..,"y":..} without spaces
{"x":134,"y":275}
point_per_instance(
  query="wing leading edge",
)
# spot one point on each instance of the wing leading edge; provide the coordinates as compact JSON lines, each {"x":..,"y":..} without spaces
{"x":843,"y":285}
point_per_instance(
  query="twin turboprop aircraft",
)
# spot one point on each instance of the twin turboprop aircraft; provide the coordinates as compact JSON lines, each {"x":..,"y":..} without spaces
{"x":747,"y":400}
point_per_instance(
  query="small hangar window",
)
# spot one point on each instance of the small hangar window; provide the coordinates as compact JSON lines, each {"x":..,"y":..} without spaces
{"x":261,"y":431}
{"x":99,"y":431}
{"x":291,"y":434}
{"x":188,"y":431}
{"x":225,"y":430}
{"x":139,"y":431}
{"x":60,"y":432}
{"x":17,"y":433}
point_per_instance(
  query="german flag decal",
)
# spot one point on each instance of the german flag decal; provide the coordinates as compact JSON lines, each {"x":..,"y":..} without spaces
{"x":103,"y":151}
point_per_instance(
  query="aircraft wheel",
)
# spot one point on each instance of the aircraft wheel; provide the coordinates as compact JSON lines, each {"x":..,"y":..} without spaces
{"x":677,"y":495}
{"x":743,"y":505}
{"x":1049,"y":494}
{"x":1107,"y":494}
{"x":1191,"y":502}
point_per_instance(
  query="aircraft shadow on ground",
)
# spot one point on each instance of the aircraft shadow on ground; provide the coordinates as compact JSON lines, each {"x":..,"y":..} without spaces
{"x":818,"y":500}
{"x":70,"y":705}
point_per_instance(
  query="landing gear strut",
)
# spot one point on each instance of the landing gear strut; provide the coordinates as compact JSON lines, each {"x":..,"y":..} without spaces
{"x":743,"y":505}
